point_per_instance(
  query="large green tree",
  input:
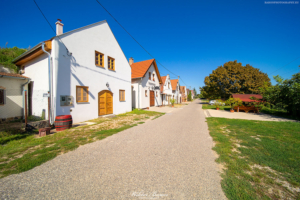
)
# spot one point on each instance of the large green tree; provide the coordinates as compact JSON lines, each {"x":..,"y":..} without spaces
{"x":232,"y":78}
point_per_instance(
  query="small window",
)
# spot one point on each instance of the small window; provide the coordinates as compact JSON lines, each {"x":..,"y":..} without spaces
{"x":168,"y":85}
{"x":156,"y":94}
{"x":153,"y":77}
{"x":111,"y":63}
{"x":99,"y":59}
{"x":82,"y":94}
{"x":2,"y":96}
{"x":150,"y":76}
{"x":122,"y":95}
{"x":146,"y":93}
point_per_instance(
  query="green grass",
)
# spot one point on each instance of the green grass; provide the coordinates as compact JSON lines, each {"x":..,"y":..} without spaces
{"x":279,"y":113}
{"x":258,"y":157}
{"x":21,"y":151}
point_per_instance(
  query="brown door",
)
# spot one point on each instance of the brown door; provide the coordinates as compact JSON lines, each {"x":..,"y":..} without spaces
{"x":105,"y":103}
{"x":152,"y":98}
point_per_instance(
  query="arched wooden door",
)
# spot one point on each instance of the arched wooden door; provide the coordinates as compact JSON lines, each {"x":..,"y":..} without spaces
{"x":105,"y":102}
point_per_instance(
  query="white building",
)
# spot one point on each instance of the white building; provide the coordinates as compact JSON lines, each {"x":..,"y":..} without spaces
{"x":145,"y":81}
{"x":176,"y":90}
{"x":166,"y":90}
{"x":12,"y":96}
{"x":89,"y":73}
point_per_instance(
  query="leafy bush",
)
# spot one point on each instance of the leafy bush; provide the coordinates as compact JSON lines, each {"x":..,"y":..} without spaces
{"x":190,"y":96}
{"x":218,"y":103}
{"x":172,"y":101}
{"x":8,"y":54}
{"x":232,"y":102}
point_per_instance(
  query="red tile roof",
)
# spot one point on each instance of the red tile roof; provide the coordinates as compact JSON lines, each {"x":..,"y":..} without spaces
{"x":174,"y":84}
{"x":246,"y":97}
{"x":139,"y":69}
{"x":12,"y":75}
{"x":163,"y":80}
{"x":182,"y":88}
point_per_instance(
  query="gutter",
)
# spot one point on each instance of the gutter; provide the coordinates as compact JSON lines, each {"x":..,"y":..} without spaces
{"x":27,"y":52}
{"x":50,"y":83}
{"x":3,"y":76}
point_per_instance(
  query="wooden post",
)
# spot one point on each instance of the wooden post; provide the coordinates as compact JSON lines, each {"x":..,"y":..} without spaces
{"x":25,"y":109}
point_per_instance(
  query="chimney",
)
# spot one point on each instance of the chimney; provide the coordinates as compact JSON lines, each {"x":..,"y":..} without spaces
{"x":130,"y":61}
{"x":59,"y":27}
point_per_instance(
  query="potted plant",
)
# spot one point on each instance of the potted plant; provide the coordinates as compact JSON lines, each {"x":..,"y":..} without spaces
{"x":232,"y":102}
{"x":172,"y":101}
{"x":218,"y":104}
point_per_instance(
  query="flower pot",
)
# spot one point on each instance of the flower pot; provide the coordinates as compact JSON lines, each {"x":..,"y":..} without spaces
{"x":172,"y":106}
{"x":217,"y":108}
{"x":232,"y":111}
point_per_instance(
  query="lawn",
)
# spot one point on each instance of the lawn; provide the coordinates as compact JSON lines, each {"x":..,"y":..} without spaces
{"x":21,"y":151}
{"x":260,"y":159}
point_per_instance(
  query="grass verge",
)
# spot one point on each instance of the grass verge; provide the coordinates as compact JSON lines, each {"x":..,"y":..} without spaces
{"x":207,"y":106}
{"x":260,"y":159}
{"x":21,"y":151}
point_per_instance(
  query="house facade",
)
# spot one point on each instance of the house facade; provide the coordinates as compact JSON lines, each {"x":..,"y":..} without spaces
{"x":145,"y":82}
{"x":12,"y":96}
{"x":85,"y":71}
{"x":183,"y":92}
{"x":176,"y":90}
{"x":166,"y":90}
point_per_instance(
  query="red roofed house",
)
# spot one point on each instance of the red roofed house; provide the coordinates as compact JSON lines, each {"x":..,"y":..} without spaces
{"x":12,"y":87}
{"x":246,"y":97}
{"x":166,"y":90}
{"x":176,"y":90}
{"x":183,"y":92}
{"x":145,"y":83}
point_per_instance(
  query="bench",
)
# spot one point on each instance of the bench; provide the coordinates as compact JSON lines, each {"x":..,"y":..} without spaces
{"x":246,"y":108}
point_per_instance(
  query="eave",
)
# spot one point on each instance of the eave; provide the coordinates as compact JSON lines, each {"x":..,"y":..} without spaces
{"x":32,"y":53}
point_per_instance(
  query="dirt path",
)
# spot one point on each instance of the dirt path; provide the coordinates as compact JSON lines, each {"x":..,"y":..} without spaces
{"x":166,"y":158}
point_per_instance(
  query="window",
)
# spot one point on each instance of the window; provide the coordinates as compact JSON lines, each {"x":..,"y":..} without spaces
{"x":82,"y":94}
{"x":2,"y":96}
{"x":168,"y":85}
{"x":122,"y":95}
{"x":111,"y":63}
{"x":99,"y":59}
{"x":153,"y":77}
{"x":150,"y":76}
{"x":146,"y":93}
{"x":156,"y":94}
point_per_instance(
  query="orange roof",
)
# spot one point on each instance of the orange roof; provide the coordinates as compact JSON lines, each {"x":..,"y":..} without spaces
{"x":139,"y":69}
{"x":12,"y":75}
{"x":174,"y":84}
{"x":182,"y":89}
{"x":163,"y":80}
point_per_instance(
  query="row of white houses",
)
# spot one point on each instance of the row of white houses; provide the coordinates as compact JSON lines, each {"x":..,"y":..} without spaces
{"x":87,"y":75}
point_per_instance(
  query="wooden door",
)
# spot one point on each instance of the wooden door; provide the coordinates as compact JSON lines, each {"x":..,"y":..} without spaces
{"x":105,"y":103}
{"x":152,"y":98}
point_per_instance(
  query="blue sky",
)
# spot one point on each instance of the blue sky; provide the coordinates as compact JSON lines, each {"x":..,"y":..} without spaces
{"x":190,"y":38}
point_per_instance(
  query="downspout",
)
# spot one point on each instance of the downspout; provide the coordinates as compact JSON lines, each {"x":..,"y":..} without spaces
{"x":22,"y":88}
{"x":50,"y":82}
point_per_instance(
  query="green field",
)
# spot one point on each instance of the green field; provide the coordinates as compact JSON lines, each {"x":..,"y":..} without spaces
{"x":260,"y":159}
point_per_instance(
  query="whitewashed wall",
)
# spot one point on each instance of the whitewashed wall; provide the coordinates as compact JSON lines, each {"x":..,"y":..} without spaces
{"x":13,"y":106}
{"x":80,"y":70}
{"x":37,"y":71}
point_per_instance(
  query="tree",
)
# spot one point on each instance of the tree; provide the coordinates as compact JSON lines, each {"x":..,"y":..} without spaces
{"x":285,"y":94}
{"x":8,"y":54}
{"x":190,"y":96}
{"x":195,"y":92}
{"x":232,"y":78}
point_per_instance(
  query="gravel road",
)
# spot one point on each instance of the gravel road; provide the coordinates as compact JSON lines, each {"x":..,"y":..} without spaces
{"x":167,"y":158}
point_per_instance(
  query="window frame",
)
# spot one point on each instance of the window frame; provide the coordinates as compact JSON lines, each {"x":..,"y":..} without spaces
{"x":109,"y":63}
{"x":83,"y":87}
{"x":4,"y":96}
{"x":153,"y":77}
{"x":99,"y":59}
{"x":120,"y":95}
{"x":146,"y":93}
{"x":156,"y":94}
{"x":150,"y":76}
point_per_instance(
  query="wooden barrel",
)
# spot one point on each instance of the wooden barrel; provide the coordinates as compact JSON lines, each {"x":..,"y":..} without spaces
{"x":63,"y":122}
